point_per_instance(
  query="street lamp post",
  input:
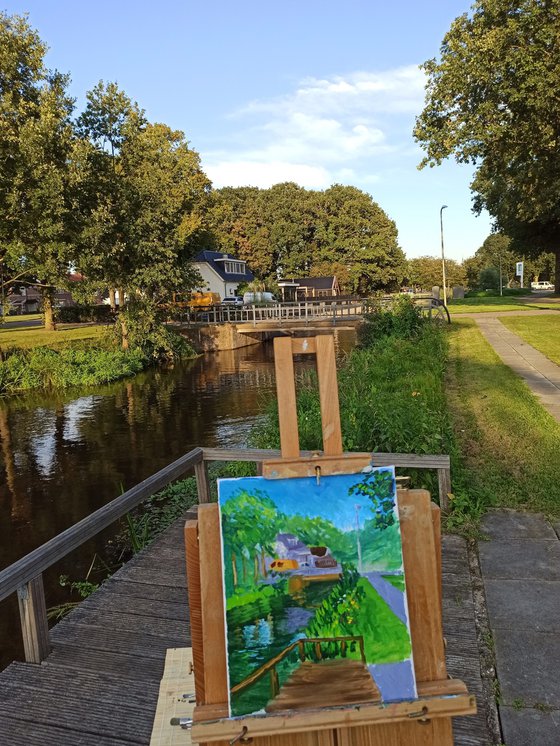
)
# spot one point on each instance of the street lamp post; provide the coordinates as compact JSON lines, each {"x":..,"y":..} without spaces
{"x":443,"y":207}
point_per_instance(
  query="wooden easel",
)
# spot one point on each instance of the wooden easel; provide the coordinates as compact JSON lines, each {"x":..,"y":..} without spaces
{"x":423,"y":722}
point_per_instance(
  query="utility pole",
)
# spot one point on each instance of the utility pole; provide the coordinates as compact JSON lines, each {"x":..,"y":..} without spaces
{"x":443,"y":207}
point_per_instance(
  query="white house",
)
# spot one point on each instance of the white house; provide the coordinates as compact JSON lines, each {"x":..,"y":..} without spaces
{"x":221,"y":273}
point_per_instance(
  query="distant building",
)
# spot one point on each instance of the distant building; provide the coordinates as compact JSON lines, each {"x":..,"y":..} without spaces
{"x":309,"y":288}
{"x":28,"y":298}
{"x":221,"y":273}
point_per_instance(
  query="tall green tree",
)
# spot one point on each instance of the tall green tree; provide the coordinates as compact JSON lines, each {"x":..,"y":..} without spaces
{"x":36,"y":143}
{"x":493,"y":100}
{"x":143,"y":207}
{"x":426,"y":271}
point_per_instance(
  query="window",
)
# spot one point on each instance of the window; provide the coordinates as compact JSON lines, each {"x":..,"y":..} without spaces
{"x":234,"y":268}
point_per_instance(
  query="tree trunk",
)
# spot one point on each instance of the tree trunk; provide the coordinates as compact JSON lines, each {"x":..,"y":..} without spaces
{"x":256,"y":568}
{"x":124,"y":332}
{"x":234,"y":570}
{"x":121,"y":298}
{"x":263,"y":564}
{"x":243,"y":568}
{"x":112,"y":301}
{"x":557,"y":271}
{"x":48,"y":311}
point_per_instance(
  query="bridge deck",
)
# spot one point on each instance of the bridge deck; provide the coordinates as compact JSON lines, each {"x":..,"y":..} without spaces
{"x":99,"y":686}
{"x":333,"y":682}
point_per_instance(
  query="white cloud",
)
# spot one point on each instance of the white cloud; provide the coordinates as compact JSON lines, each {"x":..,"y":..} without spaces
{"x":323,"y":131}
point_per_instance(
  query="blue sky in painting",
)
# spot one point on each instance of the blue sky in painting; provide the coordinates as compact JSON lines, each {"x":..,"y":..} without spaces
{"x":329,"y":499}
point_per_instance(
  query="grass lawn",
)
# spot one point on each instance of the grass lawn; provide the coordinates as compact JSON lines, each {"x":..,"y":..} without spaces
{"x":505,"y":303}
{"x":508,"y":444}
{"x":37,"y":337}
{"x":396,"y":580}
{"x":542,"y":332}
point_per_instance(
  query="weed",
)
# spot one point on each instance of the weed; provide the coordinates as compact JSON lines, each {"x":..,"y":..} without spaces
{"x":518,"y":704}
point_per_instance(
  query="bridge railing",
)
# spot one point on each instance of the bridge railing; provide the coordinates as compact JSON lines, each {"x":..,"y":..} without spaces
{"x":25,"y":577}
{"x":271,"y":665}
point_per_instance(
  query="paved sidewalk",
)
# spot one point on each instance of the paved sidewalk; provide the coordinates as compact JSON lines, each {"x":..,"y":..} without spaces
{"x":521,"y":571}
{"x":541,"y":375}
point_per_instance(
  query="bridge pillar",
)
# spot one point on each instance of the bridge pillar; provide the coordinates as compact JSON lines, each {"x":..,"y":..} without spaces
{"x":216,"y":337}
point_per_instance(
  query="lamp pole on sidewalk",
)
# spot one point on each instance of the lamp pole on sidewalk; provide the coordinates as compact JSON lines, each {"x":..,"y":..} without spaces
{"x":443,"y":207}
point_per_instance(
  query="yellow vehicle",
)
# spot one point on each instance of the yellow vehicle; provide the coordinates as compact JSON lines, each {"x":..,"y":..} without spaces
{"x":283,"y":565}
{"x":197,"y":301}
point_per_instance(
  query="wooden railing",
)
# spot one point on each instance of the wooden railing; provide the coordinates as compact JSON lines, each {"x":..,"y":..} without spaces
{"x":270,"y":666}
{"x":25,"y":577}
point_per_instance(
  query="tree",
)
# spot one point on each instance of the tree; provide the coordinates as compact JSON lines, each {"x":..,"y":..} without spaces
{"x":36,"y":142}
{"x":493,"y":100}
{"x":426,"y":271}
{"x":379,"y":487}
{"x":143,"y":204}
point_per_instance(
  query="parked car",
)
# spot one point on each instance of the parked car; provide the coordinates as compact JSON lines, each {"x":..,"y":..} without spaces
{"x":233,"y":301}
{"x":258,"y":298}
{"x":542,"y":285}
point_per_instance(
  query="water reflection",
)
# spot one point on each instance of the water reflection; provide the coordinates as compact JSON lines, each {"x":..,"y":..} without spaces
{"x":64,"y":455}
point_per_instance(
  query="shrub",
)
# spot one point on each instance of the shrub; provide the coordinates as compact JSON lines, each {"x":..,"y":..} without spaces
{"x":85,"y":314}
{"x":402,"y":319}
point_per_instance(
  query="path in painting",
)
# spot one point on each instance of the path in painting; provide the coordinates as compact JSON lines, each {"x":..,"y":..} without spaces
{"x":393,"y":597}
{"x":395,"y":680}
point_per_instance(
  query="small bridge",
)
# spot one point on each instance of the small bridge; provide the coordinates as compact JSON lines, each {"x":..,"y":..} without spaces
{"x":292,"y":314}
{"x":320,"y":679}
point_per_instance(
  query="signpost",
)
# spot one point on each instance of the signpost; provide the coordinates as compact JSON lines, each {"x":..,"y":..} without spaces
{"x":519,"y":272}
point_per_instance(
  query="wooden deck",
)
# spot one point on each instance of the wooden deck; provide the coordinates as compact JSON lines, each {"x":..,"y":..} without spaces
{"x":100,"y":684}
{"x":333,"y":682}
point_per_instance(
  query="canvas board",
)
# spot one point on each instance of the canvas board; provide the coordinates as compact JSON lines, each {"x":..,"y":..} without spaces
{"x":315,"y":593}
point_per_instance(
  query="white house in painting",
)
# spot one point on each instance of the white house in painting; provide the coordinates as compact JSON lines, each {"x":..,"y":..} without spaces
{"x":221,"y":273}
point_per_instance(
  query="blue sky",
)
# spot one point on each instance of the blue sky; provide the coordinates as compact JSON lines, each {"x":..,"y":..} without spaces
{"x":329,"y":499}
{"x":313,"y":91}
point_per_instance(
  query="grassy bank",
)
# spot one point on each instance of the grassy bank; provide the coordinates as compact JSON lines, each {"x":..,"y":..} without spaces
{"x":507,"y":445}
{"x":542,"y":332}
{"x":505,"y":303}
{"x":32,"y":358}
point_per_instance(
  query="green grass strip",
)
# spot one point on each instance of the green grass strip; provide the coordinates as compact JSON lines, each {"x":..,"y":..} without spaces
{"x":542,"y":332}
{"x":508,"y":443}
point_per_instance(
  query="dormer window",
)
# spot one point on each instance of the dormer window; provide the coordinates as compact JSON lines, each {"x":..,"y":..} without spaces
{"x":234,"y":268}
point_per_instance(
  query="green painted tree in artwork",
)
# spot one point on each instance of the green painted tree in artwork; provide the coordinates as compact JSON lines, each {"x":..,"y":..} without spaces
{"x":250,"y":522}
{"x":319,"y":531}
{"x":379,"y":488}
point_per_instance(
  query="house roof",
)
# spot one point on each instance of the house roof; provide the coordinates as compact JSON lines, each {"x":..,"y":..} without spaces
{"x":318,"y":283}
{"x":216,"y":260}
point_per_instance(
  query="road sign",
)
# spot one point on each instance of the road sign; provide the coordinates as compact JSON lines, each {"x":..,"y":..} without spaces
{"x":519,"y":268}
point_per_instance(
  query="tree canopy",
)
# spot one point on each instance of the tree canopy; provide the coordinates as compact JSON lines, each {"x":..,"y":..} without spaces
{"x":493,"y":100}
{"x":426,"y":271}
{"x":298,"y":232}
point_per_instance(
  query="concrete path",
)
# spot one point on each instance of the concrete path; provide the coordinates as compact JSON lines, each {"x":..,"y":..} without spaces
{"x":520,"y":565}
{"x":541,"y":375}
{"x":393,"y":597}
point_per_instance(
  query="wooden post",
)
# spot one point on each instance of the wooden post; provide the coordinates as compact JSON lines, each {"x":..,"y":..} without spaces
{"x":444,"y":484}
{"x":34,"y":623}
{"x":202,"y":482}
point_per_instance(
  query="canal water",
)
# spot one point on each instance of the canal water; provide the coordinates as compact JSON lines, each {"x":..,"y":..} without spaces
{"x":64,"y":455}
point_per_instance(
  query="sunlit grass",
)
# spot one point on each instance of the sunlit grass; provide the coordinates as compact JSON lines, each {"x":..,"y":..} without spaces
{"x":542,"y":332}
{"x":505,"y":303}
{"x":508,"y":444}
{"x":28,"y":337}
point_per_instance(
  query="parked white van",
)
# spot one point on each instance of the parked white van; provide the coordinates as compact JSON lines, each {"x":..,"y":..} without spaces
{"x":264,"y":297}
{"x":542,"y":285}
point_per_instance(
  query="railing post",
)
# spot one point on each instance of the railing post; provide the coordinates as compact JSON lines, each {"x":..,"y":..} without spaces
{"x":34,"y":622}
{"x":274,"y":682}
{"x":444,"y":484}
{"x":202,"y":482}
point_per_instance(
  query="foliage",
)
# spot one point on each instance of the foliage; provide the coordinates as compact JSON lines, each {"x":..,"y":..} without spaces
{"x":140,"y":323}
{"x":43,"y":367}
{"x":352,"y":604}
{"x":402,"y":319}
{"x":300,"y":232}
{"x":318,"y":531}
{"x":392,"y":399}
{"x":425,"y":272}
{"x":85,"y":314}
{"x":379,"y":488}
{"x":489,"y":278}
{"x":495,"y":293}
{"x":493,"y":101}
{"x":36,"y":144}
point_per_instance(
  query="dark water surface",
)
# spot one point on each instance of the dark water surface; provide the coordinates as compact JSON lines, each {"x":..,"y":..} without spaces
{"x":65,"y":455}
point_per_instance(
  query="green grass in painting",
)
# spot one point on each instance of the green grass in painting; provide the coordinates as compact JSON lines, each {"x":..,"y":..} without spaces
{"x":507,"y":444}
{"x":386,"y":638}
{"x":253,"y":595}
{"x":542,"y":332}
{"x":396,"y":580}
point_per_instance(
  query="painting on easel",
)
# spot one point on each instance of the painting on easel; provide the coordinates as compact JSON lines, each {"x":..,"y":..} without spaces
{"x":315,"y":594}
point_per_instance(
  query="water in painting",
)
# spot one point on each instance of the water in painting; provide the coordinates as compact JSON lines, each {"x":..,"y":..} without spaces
{"x":315,"y":593}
